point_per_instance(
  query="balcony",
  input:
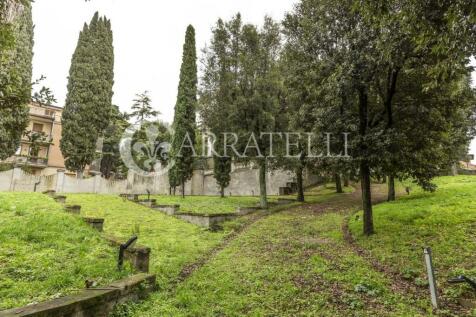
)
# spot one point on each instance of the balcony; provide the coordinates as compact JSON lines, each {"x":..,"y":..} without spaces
{"x":46,"y":140}
{"x":32,"y":161}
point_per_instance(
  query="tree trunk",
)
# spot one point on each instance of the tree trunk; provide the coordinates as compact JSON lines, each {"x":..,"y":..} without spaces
{"x":170,"y":190}
{"x":175,"y":190}
{"x":338,"y":183}
{"x":262,"y":185}
{"x":346,"y":180}
{"x":222,"y":191}
{"x":300,"y":187}
{"x":391,"y":188}
{"x":80,"y":174}
{"x":364,"y":164}
{"x":183,"y":188}
{"x":366,"y":198}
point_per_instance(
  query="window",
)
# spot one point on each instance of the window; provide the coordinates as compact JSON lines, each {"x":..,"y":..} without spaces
{"x":37,"y":127}
{"x":49,"y":113}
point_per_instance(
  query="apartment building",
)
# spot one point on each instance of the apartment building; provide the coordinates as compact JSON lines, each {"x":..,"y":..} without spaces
{"x":39,"y":148}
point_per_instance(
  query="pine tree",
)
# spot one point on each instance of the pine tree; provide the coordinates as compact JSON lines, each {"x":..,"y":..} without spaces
{"x":16,"y":53}
{"x":184,"y":119}
{"x":88,"y":107}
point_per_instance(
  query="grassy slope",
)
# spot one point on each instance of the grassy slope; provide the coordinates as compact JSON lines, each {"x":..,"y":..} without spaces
{"x":288,"y":264}
{"x":445,"y":221}
{"x":173,"y":242}
{"x":46,"y":253}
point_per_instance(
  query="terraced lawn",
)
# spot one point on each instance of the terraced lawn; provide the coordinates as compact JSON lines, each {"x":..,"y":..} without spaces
{"x":208,"y":204}
{"x":173,"y":242}
{"x":444,"y":221}
{"x":292,"y":263}
{"x":229,"y":204}
{"x":46,"y":253}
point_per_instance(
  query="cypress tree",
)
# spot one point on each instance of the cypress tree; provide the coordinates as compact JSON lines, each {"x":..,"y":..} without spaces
{"x":16,"y":55}
{"x":184,"y":119}
{"x":88,"y":107}
{"x":216,"y":98}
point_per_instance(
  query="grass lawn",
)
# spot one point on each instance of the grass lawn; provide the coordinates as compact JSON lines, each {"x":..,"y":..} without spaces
{"x":444,"y":221}
{"x":46,"y":253}
{"x":207,"y":204}
{"x":293,"y":263}
{"x":229,"y":204}
{"x":173,"y":242}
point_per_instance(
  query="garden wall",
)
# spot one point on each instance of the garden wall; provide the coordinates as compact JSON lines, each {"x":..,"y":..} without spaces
{"x":244,"y":182}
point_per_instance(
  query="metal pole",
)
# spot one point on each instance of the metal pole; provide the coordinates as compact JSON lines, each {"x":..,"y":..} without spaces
{"x":431,"y":277}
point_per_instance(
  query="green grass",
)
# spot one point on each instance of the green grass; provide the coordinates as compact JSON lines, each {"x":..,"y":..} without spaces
{"x":292,"y":263}
{"x":173,"y":242}
{"x":46,"y":253}
{"x":217,"y":205}
{"x":207,"y":204}
{"x":444,"y":220}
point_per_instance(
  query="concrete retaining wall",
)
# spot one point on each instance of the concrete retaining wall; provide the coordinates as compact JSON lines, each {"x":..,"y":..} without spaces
{"x":92,"y":302}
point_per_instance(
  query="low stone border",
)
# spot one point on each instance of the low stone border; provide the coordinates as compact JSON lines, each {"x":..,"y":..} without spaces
{"x":95,"y":223}
{"x":242,"y":211}
{"x":92,"y":302}
{"x":167,"y":209}
{"x":50,"y":193}
{"x":147,"y":202}
{"x":60,"y":199}
{"x":212,"y":222}
{"x":73,"y":209}
{"x":133,"y":197}
{"x":138,"y":256}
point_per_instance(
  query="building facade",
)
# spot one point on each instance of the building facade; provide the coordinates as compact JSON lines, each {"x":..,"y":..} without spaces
{"x":39,"y":149}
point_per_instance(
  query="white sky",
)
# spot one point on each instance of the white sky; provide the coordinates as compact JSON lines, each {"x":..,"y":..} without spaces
{"x":148,"y":39}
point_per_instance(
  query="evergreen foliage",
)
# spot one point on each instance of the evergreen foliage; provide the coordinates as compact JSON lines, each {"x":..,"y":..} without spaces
{"x":88,"y":108}
{"x":183,"y":140}
{"x":217,"y":99}
{"x":16,"y":53}
{"x":373,"y":79}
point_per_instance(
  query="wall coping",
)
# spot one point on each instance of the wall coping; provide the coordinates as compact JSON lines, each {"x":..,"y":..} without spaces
{"x":88,"y":301}
{"x":205,"y":215}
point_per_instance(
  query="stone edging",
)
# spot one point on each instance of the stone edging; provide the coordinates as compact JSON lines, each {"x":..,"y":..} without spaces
{"x":91,"y":302}
{"x":138,"y":256}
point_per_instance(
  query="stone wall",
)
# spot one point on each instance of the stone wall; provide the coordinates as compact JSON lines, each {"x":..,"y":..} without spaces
{"x":244,"y":182}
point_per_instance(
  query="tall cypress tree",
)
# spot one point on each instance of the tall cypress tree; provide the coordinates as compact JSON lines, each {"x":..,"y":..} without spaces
{"x":16,"y":55}
{"x":216,"y":98}
{"x":184,"y":119}
{"x":88,"y":105}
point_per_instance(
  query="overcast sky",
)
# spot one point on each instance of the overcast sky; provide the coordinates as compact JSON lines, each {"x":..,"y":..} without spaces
{"x":148,"y":39}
